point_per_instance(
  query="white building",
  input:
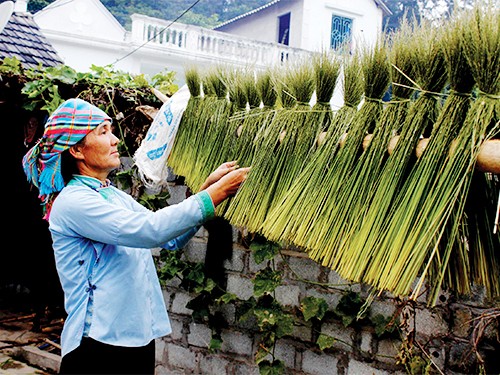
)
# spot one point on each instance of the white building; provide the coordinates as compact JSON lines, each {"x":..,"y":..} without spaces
{"x":85,"y":33}
{"x":313,"y":25}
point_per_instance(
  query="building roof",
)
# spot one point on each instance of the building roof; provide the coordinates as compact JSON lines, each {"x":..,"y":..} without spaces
{"x":379,"y":3}
{"x":23,"y":39}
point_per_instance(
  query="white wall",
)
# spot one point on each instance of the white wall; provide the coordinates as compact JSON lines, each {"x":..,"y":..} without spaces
{"x":84,"y":32}
{"x":366,"y":16}
{"x":80,"y":17}
{"x":263,"y":25}
{"x":311,"y":22}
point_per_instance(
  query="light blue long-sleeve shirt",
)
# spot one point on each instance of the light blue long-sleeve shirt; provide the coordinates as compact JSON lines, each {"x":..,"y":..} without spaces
{"x":102,"y":241}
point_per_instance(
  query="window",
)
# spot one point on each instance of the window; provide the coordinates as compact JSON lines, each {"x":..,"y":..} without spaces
{"x":284,"y":29}
{"x":341,"y":31}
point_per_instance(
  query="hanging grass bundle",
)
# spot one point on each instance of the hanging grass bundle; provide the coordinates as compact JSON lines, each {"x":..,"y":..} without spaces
{"x":236,"y":143}
{"x":276,"y":167}
{"x":258,"y":119}
{"x":376,"y":72}
{"x":302,"y":201}
{"x":256,"y":125}
{"x":429,"y":76}
{"x":221,"y":142}
{"x":467,"y":189}
{"x":326,"y":67}
{"x":348,"y":215}
{"x":213,"y":119}
{"x":182,"y":144}
{"x":406,"y":260}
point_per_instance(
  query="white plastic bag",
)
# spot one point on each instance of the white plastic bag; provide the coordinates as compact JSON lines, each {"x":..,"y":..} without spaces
{"x":151,"y":156}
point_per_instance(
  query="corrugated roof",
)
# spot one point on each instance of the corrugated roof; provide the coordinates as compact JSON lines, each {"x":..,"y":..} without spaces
{"x":380,"y":3}
{"x":22,"y":38}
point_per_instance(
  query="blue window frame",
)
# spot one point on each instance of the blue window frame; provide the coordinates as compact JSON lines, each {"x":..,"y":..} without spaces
{"x":341,"y":31}
{"x":284,"y":29}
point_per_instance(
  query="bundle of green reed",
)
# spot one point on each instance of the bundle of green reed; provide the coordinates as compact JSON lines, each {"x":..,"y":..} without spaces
{"x":398,"y":253}
{"x":182,"y":143}
{"x":258,"y":119}
{"x":480,"y":39}
{"x":346,"y":217}
{"x":303,"y":198}
{"x":429,"y":76}
{"x":221,"y":141}
{"x":276,"y":167}
{"x":256,"y":122}
{"x":228,"y":142}
{"x":376,"y":71}
{"x":213,"y":118}
{"x":483,"y":262}
{"x":326,"y":67}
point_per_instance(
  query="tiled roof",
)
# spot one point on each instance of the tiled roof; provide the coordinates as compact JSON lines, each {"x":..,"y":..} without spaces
{"x":23,"y":39}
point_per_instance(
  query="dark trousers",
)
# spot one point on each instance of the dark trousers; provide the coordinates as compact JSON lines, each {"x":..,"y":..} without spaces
{"x":94,"y":357}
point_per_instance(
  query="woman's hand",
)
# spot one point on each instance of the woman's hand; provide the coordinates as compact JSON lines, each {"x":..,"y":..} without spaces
{"x":229,"y":182}
{"x":216,"y":175}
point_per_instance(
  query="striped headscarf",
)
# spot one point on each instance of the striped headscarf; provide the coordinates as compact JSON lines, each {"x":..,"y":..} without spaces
{"x":69,"y":124}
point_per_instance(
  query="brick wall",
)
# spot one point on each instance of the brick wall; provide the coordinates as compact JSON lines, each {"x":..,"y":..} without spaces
{"x":443,"y":334}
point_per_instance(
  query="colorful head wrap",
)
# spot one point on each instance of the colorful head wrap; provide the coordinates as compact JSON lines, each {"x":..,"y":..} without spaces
{"x":69,"y":124}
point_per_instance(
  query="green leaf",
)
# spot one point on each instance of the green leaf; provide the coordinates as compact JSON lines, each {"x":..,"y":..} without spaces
{"x":227,"y":298}
{"x":263,"y":249}
{"x":313,"y":307}
{"x":245,"y":310}
{"x":215,"y":343}
{"x":284,"y":325}
{"x":200,"y":306}
{"x":265,"y":317}
{"x":383,"y":324}
{"x":325,"y":341}
{"x":171,"y":264}
{"x":10,"y":65}
{"x":277,"y":367}
{"x":266,"y":281}
{"x":348,"y":307}
{"x":208,"y":286}
{"x":195,"y":275}
{"x":260,"y":355}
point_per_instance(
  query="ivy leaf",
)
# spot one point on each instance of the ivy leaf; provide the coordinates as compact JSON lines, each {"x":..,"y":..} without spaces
{"x":171,"y":265}
{"x":284,"y":325}
{"x":193,"y":277}
{"x":265,"y":317}
{"x":245,"y":310}
{"x":263,"y":249}
{"x":124,"y":179}
{"x":313,"y":307}
{"x":200,"y":306}
{"x":208,"y":286}
{"x":325,"y":341}
{"x":227,"y":298}
{"x":382,"y":324}
{"x":277,"y":367}
{"x":347,"y":320}
{"x":261,"y":354}
{"x":215,"y":343}
{"x":265,"y":282}
{"x":348,"y":307}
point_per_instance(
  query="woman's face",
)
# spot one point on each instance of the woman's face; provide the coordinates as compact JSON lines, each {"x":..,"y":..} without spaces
{"x":98,"y":152}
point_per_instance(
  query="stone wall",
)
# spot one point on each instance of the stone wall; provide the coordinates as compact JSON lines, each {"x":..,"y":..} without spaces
{"x":440,"y":338}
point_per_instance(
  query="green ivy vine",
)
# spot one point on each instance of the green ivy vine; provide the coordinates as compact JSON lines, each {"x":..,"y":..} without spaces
{"x":273,"y":320}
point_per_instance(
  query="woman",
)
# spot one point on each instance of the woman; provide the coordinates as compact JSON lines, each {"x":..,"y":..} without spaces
{"x":102,"y":240}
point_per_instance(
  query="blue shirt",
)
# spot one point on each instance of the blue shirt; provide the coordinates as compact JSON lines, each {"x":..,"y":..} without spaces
{"x":102,"y":240}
